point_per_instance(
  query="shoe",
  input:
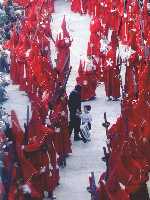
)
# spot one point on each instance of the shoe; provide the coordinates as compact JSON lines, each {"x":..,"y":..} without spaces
{"x":89,"y":189}
{"x":84,"y":140}
{"x":51,"y":196}
{"x":109,"y":99}
{"x":77,"y":138}
{"x":115,"y":99}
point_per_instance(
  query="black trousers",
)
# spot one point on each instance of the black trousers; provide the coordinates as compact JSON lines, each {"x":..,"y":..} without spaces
{"x":74,"y":124}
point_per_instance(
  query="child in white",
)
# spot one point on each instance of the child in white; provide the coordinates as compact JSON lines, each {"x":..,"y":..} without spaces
{"x":86,"y":120}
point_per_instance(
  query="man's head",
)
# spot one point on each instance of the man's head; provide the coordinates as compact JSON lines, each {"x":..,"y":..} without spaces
{"x":87,"y":108}
{"x":78,"y":88}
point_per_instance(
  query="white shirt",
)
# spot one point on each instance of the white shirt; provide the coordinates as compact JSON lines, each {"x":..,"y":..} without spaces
{"x":86,"y":118}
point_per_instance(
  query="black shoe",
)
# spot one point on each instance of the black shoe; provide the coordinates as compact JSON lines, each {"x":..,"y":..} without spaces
{"x":84,"y":140}
{"x":109,"y":99}
{"x":51,"y":195}
{"x":89,"y":189}
{"x":115,"y":99}
{"x":77,"y":138}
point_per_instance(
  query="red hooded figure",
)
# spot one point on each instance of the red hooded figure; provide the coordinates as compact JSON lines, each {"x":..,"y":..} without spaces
{"x":87,"y":79}
{"x":111,"y":76}
{"x":63,"y":43}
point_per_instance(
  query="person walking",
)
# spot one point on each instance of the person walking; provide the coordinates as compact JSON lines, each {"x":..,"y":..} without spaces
{"x":74,"y":105}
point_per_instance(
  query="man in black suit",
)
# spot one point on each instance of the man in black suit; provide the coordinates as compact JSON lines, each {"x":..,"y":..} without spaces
{"x":74,"y":104}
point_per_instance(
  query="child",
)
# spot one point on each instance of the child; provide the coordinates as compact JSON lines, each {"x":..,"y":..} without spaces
{"x":85,"y":127}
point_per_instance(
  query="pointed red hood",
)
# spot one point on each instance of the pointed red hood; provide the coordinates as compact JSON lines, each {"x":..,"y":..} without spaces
{"x":64,"y":28}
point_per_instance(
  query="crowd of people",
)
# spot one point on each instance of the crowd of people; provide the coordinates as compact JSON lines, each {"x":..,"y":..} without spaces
{"x":9,"y":15}
{"x":113,"y":24}
{"x":127,"y":159}
{"x":32,"y":155}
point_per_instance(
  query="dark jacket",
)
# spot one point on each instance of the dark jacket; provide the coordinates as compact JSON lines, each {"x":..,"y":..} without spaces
{"x":4,"y":66}
{"x":74,"y":102}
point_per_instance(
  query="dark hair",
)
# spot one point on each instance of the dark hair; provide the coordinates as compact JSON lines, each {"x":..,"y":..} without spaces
{"x":78,"y":88}
{"x":88,"y":107}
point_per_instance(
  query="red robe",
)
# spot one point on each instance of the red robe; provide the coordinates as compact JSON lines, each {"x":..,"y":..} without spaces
{"x":59,"y":118}
{"x":98,"y":62}
{"x":41,"y":153}
{"x":111,"y":76}
{"x":131,"y":87}
{"x":63,"y":57}
{"x":87,"y":79}
{"x":94,"y":45}
{"x":76,"y":6}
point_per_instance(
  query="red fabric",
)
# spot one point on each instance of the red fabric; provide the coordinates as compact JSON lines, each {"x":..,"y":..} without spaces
{"x":111,"y":76}
{"x":123,"y":175}
{"x":81,"y":68}
{"x":115,"y":20}
{"x":95,"y":25}
{"x":114,"y":190}
{"x":76,"y":6}
{"x":16,"y":129}
{"x":98,"y":63}
{"x":23,"y":3}
{"x":59,"y":117}
{"x":123,"y":34}
{"x":94,"y":45}
{"x":102,"y":193}
{"x":130,"y":82}
{"x":87,"y":78}
{"x":63,"y":52}
{"x":114,"y":40}
{"x":93,"y":7}
{"x":34,"y":74}
{"x":64,"y":28}
{"x":46,"y":180}
{"x":27,"y":169}
{"x":88,"y":82}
